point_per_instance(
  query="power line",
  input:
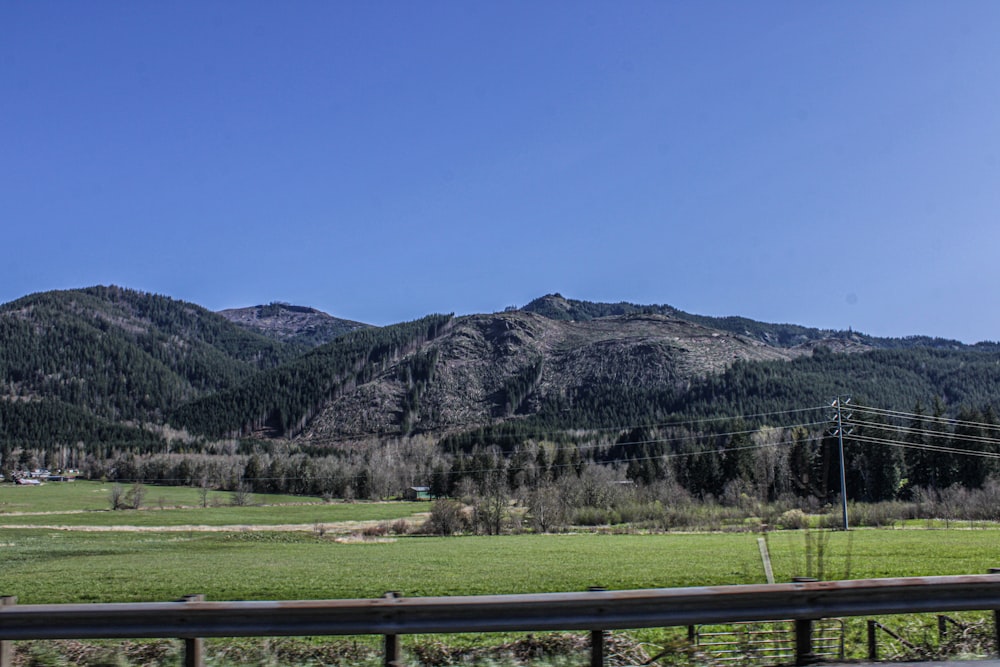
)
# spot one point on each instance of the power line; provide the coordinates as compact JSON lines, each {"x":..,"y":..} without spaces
{"x":676,"y":439}
{"x":931,"y":448}
{"x":550,"y":466}
{"x":543,"y":434}
{"x":871,"y":432}
{"x":926,"y":433}
{"x":928,"y":418}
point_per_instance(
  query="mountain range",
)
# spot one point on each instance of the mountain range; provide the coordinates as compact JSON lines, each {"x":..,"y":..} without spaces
{"x":110,"y":366}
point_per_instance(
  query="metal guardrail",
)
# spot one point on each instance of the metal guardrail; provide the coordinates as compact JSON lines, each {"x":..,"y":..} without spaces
{"x":596,"y":611}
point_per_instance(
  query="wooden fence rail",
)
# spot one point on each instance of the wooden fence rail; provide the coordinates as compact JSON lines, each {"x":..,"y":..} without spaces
{"x":595,"y":611}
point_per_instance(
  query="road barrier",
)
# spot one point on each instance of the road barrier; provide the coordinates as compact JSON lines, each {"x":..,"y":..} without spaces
{"x":596,"y":611}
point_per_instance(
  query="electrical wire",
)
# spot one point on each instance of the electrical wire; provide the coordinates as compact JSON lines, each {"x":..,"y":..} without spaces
{"x":931,"y":448}
{"x":923,"y":417}
{"x":863,"y":437}
{"x":543,"y":434}
{"x":924,"y":433}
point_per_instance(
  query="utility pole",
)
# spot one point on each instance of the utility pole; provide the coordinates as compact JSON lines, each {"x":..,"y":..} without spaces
{"x":838,"y":419}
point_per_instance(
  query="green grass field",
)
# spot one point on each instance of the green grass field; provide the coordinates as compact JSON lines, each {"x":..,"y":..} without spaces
{"x":104,"y":565}
{"x":93,"y":496}
{"x":86,"y":504}
{"x":41,"y":566}
{"x":226,"y":516}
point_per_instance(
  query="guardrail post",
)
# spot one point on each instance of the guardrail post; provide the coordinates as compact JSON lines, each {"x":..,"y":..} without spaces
{"x":872,"y":641}
{"x":804,"y":643}
{"x":596,"y":638}
{"x":392,"y":651}
{"x":7,"y":647}
{"x":803,"y":634}
{"x":597,"y":648}
{"x":996,"y":618}
{"x":391,"y":657}
{"x":194,"y":647}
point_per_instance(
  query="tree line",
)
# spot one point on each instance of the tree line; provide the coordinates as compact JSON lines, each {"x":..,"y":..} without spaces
{"x":887,"y":458}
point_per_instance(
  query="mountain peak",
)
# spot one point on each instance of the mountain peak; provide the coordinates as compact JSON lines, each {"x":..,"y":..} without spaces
{"x":557,"y":307}
{"x":290,"y":323}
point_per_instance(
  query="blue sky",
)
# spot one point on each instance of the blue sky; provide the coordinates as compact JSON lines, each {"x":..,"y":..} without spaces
{"x":831,"y":164}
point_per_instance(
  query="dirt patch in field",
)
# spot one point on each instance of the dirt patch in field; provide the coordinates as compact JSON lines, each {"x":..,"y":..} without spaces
{"x":355,"y":538}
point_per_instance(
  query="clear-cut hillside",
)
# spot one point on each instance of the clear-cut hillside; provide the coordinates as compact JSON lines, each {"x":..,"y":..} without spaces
{"x":291,"y":324}
{"x":492,"y":367}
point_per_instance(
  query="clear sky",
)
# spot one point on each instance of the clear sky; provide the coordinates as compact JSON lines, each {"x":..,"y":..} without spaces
{"x":830,"y":164}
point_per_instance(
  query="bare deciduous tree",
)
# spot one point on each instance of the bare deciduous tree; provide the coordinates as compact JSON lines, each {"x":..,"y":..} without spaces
{"x":240,"y":496}
{"x":135,"y":495}
{"x":546,"y":510}
{"x":116,"y":497}
{"x":203,"y":489}
{"x":492,"y":505}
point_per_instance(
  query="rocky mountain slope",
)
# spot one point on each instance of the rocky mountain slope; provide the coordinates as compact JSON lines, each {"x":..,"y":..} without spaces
{"x":291,"y":324}
{"x":494,"y":367}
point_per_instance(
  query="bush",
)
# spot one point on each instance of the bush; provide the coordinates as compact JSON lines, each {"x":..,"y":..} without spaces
{"x":793,"y":519}
{"x":637,"y":512}
{"x":595,"y":516}
{"x":376,"y":530}
{"x":447,"y":518}
{"x":880,"y":515}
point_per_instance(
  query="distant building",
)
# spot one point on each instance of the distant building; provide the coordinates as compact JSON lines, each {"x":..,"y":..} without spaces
{"x":417,"y":493}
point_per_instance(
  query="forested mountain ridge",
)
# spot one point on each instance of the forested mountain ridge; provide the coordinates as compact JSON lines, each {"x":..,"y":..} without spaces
{"x":118,"y":355}
{"x":299,"y":325}
{"x":283,"y":400}
{"x":90,"y":365}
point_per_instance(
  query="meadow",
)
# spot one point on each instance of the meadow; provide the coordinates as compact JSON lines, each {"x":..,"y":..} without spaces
{"x":108,"y":563}
{"x":41,"y":566}
{"x":85,"y":503}
{"x":84,"y":495}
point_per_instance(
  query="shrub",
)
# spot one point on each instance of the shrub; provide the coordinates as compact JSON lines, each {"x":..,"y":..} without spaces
{"x":879,"y":515}
{"x":380,"y":529}
{"x":240,"y":497}
{"x":447,"y":518}
{"x":595,"y":516}
{"x":793,"y":519}
{"x":135,"y":495}
{"x":636,"y":512}
{"x":116,"y":497}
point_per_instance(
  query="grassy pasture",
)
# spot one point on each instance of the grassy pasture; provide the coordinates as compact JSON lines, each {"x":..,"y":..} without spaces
{"x":83,"y":495}
{"x":52,"y":566}
{"x":55,"y":566}
{"x":225,"y":516}
{"x":65,"y":566}
{"x":86,"y":504}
